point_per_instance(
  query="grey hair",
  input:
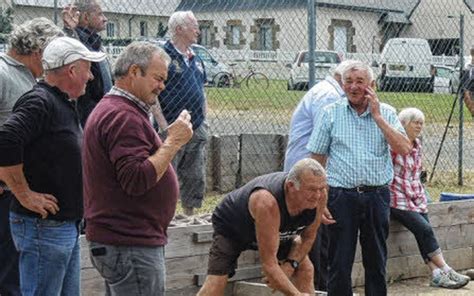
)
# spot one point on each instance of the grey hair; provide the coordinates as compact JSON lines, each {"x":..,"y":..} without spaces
{"x":86,"y":5}
{"x":339,"y":69}
{"x":138,"y":53}
{"x":353,"y":65}
{"x":33,"y":35}
{"x":410,"y":114}
{"x":303,"y":165}
{"x":179,"y":18}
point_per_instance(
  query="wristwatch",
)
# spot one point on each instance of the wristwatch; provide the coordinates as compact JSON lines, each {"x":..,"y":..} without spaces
{"x":293,"y":263}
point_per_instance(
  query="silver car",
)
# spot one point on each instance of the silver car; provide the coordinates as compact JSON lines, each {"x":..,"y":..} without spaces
{"x":299,"y":69}
{"x":446,"y":79}
{"x":211,"y":65}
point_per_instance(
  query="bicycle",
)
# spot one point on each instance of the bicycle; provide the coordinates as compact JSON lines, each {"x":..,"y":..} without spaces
{"x":252,"y":79}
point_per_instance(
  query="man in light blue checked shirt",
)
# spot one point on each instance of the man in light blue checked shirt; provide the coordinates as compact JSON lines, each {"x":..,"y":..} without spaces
{"x":308,"y":110}
{"x":352,"y":138}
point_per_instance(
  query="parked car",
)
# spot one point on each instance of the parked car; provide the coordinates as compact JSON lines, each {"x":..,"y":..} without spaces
{"x":405,"y":65}
{"x":299,"y":69}
{"x":211,"y":65}
{"x":446,"y":79}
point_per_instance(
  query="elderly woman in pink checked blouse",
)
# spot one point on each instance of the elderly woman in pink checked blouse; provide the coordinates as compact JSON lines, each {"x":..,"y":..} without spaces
{"x":409,"y":204}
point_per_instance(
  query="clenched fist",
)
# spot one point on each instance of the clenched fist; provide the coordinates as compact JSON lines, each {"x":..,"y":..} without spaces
{"x":181,"y":130}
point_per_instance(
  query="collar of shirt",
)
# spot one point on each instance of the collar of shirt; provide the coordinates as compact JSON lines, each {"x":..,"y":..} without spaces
{"x":11,"y":61}
{"x":187,"y":56}
{"x":115,"y":91}
{"x":59,"y":93}
{"x":353,"y":111}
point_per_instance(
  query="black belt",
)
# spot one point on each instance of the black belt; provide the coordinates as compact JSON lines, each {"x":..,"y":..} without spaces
{"x":363,"y":188}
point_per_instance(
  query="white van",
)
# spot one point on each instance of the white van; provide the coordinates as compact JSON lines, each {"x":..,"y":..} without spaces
{"x":405,"y":65}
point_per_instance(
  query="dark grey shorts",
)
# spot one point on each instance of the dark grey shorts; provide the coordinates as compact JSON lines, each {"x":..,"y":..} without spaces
{"x":224,"y":253}
{"x":223,"y":256}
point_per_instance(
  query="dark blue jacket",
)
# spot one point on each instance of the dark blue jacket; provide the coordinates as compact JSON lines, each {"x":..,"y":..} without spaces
{"x":102,"y":82}
{"x":184,"y":88}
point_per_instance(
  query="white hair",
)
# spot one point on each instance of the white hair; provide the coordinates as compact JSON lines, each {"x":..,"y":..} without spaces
{"x":303,"y":165}
{"x":339,"y":68}
{"x":179,"y":18}
{"x":410,"y":114}
{"x":353,"y":65}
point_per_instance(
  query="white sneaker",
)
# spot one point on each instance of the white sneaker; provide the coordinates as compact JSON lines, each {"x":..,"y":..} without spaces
{"x":444,"y":281}
{"x":458,"y":278}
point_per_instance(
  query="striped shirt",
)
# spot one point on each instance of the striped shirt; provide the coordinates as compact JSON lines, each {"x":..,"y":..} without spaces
{"x":358,"y":153}
{"x":406,"y":190}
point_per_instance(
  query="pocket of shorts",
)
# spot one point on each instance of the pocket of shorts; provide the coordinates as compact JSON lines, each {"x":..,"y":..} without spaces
{"x":113,"y":266}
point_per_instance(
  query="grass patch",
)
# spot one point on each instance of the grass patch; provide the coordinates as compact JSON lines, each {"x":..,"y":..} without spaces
{"x":436,"y":107}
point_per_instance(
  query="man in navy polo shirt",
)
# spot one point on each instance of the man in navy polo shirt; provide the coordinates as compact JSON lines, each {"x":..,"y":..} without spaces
{"x":185,"y":90}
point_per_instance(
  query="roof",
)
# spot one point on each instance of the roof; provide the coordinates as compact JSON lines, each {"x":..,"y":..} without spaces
{"x":395,"y":17}
{"x":136,"y":7}
{"x":401,"y":6}
{"x":470,"y":4}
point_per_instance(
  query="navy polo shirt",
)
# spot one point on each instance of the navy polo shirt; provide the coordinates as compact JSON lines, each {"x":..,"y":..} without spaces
{"x":184,"y":87}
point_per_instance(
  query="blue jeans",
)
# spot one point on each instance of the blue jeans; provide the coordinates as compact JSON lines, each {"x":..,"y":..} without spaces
{"x":369,"y":213}
{"x":49,"y":255}
{"x":419,"y":225}
{"x":127,"y":270}
{"x":9,"y":274}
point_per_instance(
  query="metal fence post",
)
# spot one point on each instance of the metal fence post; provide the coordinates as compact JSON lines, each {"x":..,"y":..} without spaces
{"x":461,"y":105}
{"x":55,"y":12}
{"x":311,"y":40}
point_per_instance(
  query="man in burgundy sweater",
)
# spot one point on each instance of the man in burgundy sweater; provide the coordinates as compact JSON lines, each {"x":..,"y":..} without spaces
{"x":130,"y":188}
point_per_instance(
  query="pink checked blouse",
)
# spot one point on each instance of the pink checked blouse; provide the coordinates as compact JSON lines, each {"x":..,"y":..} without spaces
{"x":406,"y":190}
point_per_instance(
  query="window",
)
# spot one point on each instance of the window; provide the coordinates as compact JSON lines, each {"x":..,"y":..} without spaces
{"x":205,"y":37}
{"x":341,"y":36}
{"x":110,"y":29}
{"x":235,"y":35}
{"x":143,"y":28}
{"x":340,"y":39}
{"x":265,"y":33}
{"x":265,"y":37}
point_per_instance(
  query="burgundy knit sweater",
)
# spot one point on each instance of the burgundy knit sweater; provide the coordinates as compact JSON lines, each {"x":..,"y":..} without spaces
{"x":123,"y":203}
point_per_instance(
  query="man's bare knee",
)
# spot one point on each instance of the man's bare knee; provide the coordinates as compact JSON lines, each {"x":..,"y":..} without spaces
{"x":214,"y":285}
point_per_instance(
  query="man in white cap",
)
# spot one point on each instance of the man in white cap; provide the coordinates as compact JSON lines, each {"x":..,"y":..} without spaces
{"x":40,"y":161}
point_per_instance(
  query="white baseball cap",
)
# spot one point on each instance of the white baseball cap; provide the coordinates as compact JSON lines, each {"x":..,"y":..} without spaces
{"x":65,"y":50}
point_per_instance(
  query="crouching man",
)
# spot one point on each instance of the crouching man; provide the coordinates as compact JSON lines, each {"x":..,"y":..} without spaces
{"x":278,"y":214}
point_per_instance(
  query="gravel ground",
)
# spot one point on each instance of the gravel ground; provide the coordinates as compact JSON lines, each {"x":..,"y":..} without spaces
{"x":420,"y":287}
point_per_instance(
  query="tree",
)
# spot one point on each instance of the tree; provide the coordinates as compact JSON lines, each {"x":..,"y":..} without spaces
{"x":6,"y":20}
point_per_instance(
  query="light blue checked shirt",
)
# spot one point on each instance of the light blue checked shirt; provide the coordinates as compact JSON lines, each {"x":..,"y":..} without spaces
{"x":357,"y":151}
